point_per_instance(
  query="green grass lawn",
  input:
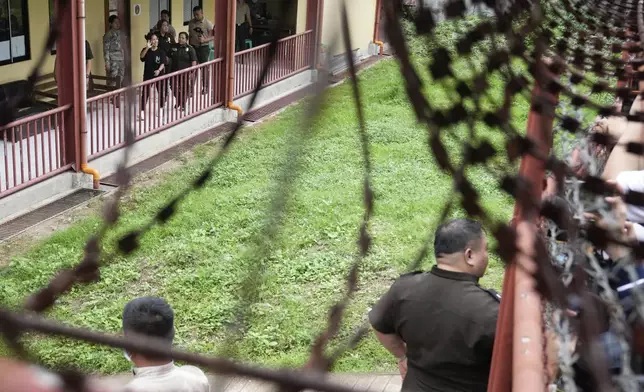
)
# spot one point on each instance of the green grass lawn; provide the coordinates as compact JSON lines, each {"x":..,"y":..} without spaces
{"x":196,"y":260}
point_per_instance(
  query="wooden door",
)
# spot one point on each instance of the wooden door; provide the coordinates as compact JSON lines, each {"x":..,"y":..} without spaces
{"x":121,"y":8}
{"x":117,"y":7}
{"x":111,"y":8}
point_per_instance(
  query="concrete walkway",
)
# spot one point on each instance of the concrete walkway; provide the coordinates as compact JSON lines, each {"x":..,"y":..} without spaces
{"x":373,"y":382}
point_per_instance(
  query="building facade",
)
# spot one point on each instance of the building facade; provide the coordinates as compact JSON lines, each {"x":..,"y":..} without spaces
{"x":72,"y":124}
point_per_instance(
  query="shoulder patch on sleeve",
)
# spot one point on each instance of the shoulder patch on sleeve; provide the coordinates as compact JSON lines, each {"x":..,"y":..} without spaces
{"x":493,"y":293}
{"x":411,"y":273}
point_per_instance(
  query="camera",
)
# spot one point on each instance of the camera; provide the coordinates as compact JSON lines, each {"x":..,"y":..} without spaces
{"x":199,"y":31}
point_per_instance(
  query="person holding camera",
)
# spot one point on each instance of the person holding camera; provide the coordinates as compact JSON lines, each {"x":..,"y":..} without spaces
{"x":154,"y":59}
{"x":201,"y":32}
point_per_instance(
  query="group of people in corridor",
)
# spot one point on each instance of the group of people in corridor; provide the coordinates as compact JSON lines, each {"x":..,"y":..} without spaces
{"x":164,"y":53}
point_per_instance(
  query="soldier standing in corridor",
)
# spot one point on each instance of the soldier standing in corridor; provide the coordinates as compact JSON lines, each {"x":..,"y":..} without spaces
{"x":200,"y":33}
{"x":182,"y":56}
{"x":113,"y":53}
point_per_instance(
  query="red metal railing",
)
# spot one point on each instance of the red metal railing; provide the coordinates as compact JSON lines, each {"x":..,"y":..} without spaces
{"x":518,"y":357}
{"x":183,"y":96}
{"x":293,"y":55}
{"x":32,"y":149}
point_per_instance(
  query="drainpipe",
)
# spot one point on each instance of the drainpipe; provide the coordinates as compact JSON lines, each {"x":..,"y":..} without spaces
{"x":230,"y":58}
{"x":318,"y":32}
{"x":82,"y":102}
{"x":376,"y":28}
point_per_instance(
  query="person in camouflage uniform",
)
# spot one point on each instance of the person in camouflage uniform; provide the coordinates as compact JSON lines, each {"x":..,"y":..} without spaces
{"x":113,"y":53}
{"x":200,"y":34}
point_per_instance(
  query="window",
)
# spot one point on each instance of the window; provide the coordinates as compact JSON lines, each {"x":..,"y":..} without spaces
{"x":14,"y":31}
{"x":188,"y":5}
{"x":52,"y":21}
{"x":156,"y":6}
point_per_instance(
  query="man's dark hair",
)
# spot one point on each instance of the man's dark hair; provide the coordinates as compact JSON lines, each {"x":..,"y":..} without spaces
{"x":558,"y":209}
{"x":197,"y":8}
{"x":149,"y":316}
{"x":165,"y":12}
{"x":455,"y":235}
{"x":560,"y":212}
{"x":112,"y":18}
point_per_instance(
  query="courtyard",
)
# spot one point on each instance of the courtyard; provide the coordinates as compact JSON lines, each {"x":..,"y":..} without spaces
{"x":198,"y":260}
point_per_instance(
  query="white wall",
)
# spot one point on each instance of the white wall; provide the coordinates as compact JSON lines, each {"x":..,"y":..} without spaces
{"x":362,"y":17}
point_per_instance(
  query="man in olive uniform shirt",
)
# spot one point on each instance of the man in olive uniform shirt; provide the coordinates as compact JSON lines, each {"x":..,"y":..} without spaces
{"x":166,"y":39}
{"x":182,"y":56}
{"x":166,"y":43}
{"x":441,"y":324}
{"x":113,"y":53}
{"x":200,"y":31}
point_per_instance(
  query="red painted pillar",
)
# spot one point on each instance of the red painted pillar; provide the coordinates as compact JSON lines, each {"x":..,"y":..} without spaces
{"x":377,"y":39}
{"x":501,"y":370}
{"x":505,"y":361}
{"x":221,"y":28}
{"x":221,"y":38}
{"x":314,"y":11}
{"x":124,"y":15}
{"x":68,"y":74}
{"x":225,"y":45}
